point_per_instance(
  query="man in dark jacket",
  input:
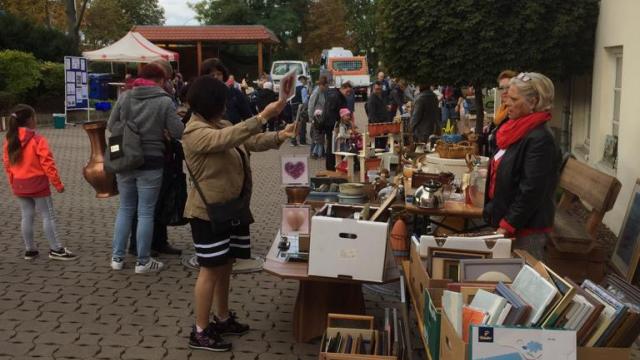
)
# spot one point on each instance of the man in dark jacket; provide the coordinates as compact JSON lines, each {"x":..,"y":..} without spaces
{"x":238,"y":108}
{"x":264,"y":97}
{"x":336,"y":100}
{"x":376,"y":109}
{"x":426,"y":114}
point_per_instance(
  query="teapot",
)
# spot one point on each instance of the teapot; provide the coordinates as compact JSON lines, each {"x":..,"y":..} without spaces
{"x":429,"y":195}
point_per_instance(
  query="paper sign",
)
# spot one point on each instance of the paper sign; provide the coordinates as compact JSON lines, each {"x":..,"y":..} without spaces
{"x":67,"y":63}
{"x":70,"y":77}
{"x":85,"y":94}
{"x":75,"y":63}
{"x":71,"y":90}
{"x":84,"y":78}
{"x":71,"y":100}
{"x":83,"y":64}
{"x":295,"y":170}
{"x":287,"y":85}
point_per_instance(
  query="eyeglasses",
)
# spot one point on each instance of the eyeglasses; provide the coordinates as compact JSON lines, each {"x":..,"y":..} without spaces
{"x":523,"y":76}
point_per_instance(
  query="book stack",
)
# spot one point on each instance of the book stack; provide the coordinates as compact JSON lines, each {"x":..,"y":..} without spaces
{"x":606,"y":315}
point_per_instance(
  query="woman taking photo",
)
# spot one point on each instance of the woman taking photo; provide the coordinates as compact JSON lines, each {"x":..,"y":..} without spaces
{"x":524,"y":170}
{"x":217,"y":156}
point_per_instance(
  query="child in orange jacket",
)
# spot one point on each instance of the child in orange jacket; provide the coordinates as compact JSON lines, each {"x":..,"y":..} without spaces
{"x":30,"y":167}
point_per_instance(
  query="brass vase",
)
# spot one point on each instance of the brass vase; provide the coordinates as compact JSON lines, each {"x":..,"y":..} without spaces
{"x":103,"y":182}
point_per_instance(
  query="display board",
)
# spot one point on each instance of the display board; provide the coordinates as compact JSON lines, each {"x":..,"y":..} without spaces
{"x":76,"y":83}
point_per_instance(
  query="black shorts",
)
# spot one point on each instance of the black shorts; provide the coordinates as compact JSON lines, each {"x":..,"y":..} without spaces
{"x":216,"y":247}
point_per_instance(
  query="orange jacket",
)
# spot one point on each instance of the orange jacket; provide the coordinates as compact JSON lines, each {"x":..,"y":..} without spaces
{"x":31,"y":176}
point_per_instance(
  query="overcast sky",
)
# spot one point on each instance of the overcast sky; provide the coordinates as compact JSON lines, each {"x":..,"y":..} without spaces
{"x":177,"y":12}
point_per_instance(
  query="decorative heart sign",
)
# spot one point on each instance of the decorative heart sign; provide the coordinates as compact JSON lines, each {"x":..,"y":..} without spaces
{"x":295,"y":170}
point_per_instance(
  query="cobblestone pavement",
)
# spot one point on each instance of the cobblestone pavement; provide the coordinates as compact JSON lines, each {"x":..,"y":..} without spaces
{"x":83,"y":310}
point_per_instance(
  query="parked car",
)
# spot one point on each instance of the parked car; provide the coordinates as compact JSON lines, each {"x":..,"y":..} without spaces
{"x":280,"y":68}
{"x":353,"y":69}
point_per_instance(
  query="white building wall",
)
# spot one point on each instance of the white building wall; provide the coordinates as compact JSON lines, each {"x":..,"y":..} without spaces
{"x":618,"y":27}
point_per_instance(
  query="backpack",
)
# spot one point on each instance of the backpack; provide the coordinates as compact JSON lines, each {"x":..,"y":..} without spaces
{"x":124,"y":148}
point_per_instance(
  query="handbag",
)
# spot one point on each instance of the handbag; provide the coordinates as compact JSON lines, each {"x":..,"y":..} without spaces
{"x":235,"y":211}
{"x":124,"y":150}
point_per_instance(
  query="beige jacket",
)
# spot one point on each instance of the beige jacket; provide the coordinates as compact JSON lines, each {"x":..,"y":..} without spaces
{"x":210,"y":152}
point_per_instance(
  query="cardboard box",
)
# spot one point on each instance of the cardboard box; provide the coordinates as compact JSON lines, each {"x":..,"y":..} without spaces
{"x":452,"y":347}
{"x":342,"y":247}
{"x":420,"y":280}
{"x":357,"y":325}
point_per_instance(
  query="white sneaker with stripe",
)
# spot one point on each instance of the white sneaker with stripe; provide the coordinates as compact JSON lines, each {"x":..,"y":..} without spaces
{"x":152,"y":265}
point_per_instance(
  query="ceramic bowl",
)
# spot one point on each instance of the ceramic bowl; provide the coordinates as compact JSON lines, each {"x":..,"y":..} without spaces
{"x":352,"y":189}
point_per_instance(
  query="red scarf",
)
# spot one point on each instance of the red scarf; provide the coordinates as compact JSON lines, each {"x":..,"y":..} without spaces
{"x":512,"y":131}
{"x":144,"y":82}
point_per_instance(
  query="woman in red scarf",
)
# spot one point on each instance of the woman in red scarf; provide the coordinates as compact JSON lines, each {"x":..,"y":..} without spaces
{"x":524,"y":169}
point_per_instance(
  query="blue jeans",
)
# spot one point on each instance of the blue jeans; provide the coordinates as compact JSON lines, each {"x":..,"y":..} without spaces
{"x":139,"y":189}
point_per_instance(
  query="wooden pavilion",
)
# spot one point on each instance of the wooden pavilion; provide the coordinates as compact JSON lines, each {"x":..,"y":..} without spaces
{"x":195,"y":43}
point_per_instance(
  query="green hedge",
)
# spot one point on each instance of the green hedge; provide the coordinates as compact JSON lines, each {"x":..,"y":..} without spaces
{"x":19,"y":72}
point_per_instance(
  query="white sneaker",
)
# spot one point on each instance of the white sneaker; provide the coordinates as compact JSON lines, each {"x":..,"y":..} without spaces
{"x":117,"y":265}
{"x":152,"y":265}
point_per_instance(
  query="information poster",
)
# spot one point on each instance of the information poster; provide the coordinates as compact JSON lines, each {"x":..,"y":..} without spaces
{"x":76,"y":85}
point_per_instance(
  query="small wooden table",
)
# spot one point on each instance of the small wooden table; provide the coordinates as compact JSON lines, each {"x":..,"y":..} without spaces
{"x":318,"y":296}
{"x":451,"y":208}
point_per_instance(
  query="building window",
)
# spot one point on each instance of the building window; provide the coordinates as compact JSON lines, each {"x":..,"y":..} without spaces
{"x":610,"y":154}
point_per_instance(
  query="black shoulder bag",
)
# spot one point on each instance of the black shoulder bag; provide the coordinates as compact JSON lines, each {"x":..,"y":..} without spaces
{"x":235,"y":211}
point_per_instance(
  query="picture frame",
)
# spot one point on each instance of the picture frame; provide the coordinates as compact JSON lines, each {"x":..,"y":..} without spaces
{"x":495,"y":270}
{"x":444,"y":263}
{"x":626,"y":253}
{"x":296,"y":219}
{"x":468,"y":292}
{"x":295,"y":170}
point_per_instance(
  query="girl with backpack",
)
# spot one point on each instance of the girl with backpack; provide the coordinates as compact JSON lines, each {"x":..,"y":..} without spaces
{"x":30,"y":168}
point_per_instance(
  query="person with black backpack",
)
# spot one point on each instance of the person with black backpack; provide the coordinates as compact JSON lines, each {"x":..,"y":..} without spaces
{"x":138,"y":124}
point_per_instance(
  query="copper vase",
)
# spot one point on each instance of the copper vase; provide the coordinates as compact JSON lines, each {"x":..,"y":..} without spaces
{"x":103,"y":182}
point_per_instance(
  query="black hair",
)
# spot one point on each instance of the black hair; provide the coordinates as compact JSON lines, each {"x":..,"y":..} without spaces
{"x":20,"y":116}
{"x":207,"y":97}
{"x":212,"y":64}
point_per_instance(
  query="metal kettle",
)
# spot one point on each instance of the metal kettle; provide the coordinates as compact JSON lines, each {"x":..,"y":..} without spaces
{"x":429,"y":195}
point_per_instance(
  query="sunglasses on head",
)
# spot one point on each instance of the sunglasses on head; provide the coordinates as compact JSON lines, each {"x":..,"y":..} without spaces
{"x":523,"y":76}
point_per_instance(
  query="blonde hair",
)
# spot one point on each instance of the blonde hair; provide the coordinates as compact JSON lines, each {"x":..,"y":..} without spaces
{"x":535,"y":86}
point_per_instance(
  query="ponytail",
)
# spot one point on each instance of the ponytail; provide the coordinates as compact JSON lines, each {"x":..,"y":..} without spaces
{"x":19,"y":117}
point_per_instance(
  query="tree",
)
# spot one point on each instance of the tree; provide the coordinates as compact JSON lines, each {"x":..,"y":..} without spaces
{"x":45,"y":44}
{"x":322,"y":34}
{"x":362,"y":26}
{"x":109,"y":20}
{"x":106,"y":23}
{"x":49,"y":13}
{"x":283,"y":17}
{"x":143,"y":12}
{"x":433,"y":41}
{"x":74,"y":19}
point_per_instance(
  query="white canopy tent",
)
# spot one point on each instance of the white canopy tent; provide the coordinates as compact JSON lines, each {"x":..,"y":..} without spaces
{"x":133,"y":48}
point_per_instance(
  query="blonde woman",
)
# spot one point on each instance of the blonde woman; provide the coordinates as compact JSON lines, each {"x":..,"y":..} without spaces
{"x":524,"y":171}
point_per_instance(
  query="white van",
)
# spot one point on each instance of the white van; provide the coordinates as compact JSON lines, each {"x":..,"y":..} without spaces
{"x":280,"y":68}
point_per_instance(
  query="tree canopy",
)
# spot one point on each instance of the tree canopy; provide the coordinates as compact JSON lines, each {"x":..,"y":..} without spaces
{"x":321,"y":34}
{"x":109,"y":20}
{"x":448,"y":41}
{"x":283,"y":17}
{"x":44,"y":43}
{"x":444,"y":42}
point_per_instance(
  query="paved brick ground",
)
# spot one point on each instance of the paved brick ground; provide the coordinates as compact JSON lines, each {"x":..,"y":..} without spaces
{"x":84,"y":310}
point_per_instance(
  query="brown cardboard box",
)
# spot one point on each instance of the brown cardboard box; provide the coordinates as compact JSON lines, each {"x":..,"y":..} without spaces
{"x":364,"y":328}
{"x":420,"y":280}
{"x":452,"y":347}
